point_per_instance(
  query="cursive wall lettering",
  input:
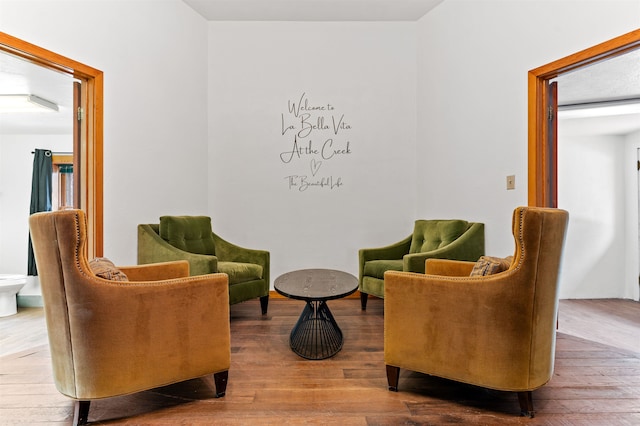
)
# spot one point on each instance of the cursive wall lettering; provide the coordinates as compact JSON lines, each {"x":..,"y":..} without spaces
{"x":315,"y":134}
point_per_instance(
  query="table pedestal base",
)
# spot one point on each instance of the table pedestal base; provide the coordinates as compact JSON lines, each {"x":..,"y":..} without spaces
{"x":316,"y":335}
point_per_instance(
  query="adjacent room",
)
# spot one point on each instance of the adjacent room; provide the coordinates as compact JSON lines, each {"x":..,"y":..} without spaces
{"x":308,"y":136}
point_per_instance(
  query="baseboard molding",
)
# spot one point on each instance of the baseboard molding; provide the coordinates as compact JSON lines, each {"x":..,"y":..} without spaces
{"x":29,"y":301}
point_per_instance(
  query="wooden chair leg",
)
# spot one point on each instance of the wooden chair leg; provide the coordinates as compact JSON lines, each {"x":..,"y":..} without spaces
{"x":81,"y":412}
{"x":526,"y":404}
{"x":393,"y":375}
{"x":220,"y":379}
{"x":363,"y":300}
{"x":264,"y":303}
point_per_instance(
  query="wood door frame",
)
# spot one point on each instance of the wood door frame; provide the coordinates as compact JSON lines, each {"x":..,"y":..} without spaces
{"x":538,"y":152}
{"x":91,"y":160}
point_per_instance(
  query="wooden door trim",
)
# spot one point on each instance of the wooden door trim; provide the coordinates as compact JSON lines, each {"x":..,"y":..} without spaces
{"x":538,"y":153}
{"x":92,"y":128}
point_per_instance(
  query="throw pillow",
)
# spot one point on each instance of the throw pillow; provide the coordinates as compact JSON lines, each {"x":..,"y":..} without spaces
{"x":488,"y":265}
{"x":104,"y":268}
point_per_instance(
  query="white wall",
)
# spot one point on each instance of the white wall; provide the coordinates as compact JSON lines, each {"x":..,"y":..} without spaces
{"x":598,"y":183}
{"x":591,"y":187}
{"x":473,"y":60}
{"x":362,"y":73}
{"x":154,"y":58}
{"x":631,"y":255}
{"x":470,"y":81}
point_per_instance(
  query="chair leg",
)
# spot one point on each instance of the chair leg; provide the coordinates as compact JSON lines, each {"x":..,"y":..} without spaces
{"x":363,"y":300}
{"x":220,"y":379}
{"x":526,"y":404}
{"x":264,"y":303}
{"x":81,"y":413}
{"x":393,"y":375}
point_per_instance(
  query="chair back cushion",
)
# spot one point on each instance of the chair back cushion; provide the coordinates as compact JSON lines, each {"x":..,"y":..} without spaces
{"x":188,"y":233}
{"x":430,"y":235}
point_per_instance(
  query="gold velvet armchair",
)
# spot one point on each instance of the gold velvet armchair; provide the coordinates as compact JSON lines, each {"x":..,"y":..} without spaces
{"x":495,"y":331}
{"x":115,"y":331}
{"x":191,"y":238}
{"x":444,"y":239}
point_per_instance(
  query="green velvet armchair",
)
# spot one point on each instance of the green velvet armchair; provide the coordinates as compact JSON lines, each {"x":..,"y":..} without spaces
{"x":191,"y":238}
{"x":442,"y":239}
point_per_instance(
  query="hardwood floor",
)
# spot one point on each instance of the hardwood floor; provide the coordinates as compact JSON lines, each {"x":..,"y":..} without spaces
{"x":596,"y":380}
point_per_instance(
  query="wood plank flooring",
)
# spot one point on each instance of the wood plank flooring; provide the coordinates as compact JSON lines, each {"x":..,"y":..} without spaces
{"x":596,"y":380}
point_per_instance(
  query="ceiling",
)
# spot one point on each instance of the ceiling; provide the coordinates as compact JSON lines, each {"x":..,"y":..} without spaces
{"x":18,"y":76}
{"x":617,"y":78}
{"x":312,"y":10}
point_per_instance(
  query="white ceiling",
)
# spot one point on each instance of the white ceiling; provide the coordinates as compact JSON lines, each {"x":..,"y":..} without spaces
{"x":617,"y":78}
{"x":312,"y":10}
{"x":19,"y":77}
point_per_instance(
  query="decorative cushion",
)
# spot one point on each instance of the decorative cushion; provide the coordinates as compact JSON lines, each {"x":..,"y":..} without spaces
{"x":488,"y":265}
{"x":429,"y":235}
{"x":188,"y":233}
{"x":376,"y":268}
{"x":104,"y":268}
{"x":239,"y":272}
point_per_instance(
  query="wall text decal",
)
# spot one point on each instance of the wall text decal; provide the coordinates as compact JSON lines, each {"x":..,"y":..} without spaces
{"x":316,"y":134}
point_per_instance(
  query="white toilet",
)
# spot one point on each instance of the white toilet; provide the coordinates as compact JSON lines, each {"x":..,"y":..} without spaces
{"x":10,"y":285}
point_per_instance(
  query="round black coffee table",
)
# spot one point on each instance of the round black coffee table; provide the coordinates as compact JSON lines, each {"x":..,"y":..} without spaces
{"x":316,"y":335}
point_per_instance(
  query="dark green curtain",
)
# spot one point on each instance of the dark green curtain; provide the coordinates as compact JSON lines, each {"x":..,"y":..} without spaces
{"x":40,"y":194}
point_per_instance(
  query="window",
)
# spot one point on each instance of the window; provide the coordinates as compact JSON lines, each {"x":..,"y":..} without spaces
{"x":62,"y":182}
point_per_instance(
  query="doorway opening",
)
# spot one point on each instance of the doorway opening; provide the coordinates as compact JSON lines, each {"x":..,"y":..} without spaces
{"x":542,"y":153}
{"x":541,"y":158}
{"x":88,"y":150}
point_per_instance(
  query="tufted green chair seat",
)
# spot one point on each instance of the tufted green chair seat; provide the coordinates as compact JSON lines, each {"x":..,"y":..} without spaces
{"x":240,"y":272}
{"x":443,"y":239}
{"x":377,"y":268}
{"x":191,"y":238}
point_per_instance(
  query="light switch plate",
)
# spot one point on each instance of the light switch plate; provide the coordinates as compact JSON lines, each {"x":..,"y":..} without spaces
{"x":511,"y":182}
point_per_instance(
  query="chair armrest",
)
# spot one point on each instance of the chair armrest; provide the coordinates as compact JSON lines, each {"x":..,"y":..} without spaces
{"x":177,"y":329}
{"x":153,"y":249}
{"x":157,"y":271}
{"x":391,"y":251}
{"x":229,"y":252}
{"x":491,"y":301}
{"x":447,"y":267}
{"x":469,"y":246}
{"x":482,"y":323}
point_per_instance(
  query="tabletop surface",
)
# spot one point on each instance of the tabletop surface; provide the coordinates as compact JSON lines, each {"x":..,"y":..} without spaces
{"x":316,"y":284}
